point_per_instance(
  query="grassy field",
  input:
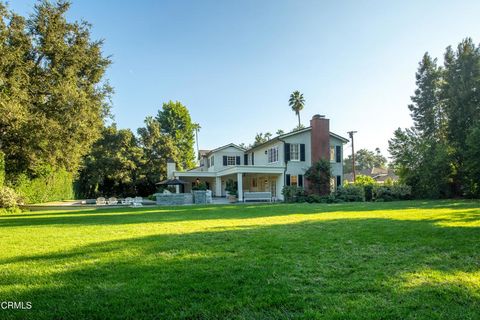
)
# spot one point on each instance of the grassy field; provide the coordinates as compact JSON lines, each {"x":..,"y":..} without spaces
{"x":403,"y":260}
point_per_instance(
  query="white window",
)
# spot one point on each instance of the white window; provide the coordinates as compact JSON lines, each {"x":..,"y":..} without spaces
{"x":295,"y":152}
{"x":332,"y":153}
{"x":294,"y":180}
{"x":231,"y":161}
{"x":212,"y":161}
{"x":272,"y":154}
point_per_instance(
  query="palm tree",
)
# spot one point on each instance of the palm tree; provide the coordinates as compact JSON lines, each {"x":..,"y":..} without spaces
{"x":197,"y":128}
{"x":297,"y":102}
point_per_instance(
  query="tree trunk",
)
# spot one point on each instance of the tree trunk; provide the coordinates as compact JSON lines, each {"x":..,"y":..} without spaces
{"x":298,"y":114}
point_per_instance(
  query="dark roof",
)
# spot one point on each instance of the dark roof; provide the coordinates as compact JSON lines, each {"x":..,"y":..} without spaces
{"x":379,"y":174}
{"x":294,"y":132}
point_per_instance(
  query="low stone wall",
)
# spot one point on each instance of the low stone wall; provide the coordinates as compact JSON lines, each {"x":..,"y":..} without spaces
{"x":173,"y":199}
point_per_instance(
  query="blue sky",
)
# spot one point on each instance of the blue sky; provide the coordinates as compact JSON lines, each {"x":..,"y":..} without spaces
{"x":235,"y":63}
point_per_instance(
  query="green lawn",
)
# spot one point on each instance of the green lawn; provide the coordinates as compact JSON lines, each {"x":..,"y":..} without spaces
{"x":402,"y":260}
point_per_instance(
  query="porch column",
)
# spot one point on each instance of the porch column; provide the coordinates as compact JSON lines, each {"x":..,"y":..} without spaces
{"x":177,"y":189}
{"x":280,"y":184}
{"x":218,"y":187}
{"x":240,"y":186}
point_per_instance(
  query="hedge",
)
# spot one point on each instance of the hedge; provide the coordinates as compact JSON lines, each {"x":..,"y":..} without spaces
{"x":54,"y":186}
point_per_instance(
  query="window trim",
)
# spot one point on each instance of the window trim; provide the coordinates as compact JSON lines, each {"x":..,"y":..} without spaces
{"x":333,"y":156}
{"x":273,"y":155}
{"x":292,"y":176}
{"x":231,"y":163}
{"x":297,"y":153}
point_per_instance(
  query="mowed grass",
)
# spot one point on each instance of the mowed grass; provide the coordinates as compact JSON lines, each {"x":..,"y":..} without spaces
{"x":402,"y":260}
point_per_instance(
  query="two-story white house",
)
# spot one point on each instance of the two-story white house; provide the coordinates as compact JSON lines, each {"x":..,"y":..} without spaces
{"x":281,"y":161}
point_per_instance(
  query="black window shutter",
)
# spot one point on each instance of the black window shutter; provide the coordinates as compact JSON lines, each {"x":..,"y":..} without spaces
{"x":287,"y":152}
{"x":302,"y":152}
{"x":338,"y":154}
{"x":245,"y":159}
{"x":339,"y":181}
{"x":253,"y":159}
{"x":224,"y":160}
{"x":238,"y":160}
{"x":300,"y":180}
{"x":288,"y":179}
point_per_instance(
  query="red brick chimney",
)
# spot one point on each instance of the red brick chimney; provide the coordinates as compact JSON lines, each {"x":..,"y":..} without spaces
{"x":320,"y":138}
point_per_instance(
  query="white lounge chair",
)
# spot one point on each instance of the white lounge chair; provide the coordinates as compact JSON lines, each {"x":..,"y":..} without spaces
{"x":137,"y":202}
{"x":112,"y":201}
{"x":101,"y":201}
{"x":127,"y":201}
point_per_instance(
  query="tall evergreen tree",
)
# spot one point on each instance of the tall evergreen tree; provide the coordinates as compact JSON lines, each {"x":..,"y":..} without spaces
{"x":425,"y":110}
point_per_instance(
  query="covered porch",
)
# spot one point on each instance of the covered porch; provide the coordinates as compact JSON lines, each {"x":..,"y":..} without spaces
{"x":245,"y":178}
{"x":252,"y":179}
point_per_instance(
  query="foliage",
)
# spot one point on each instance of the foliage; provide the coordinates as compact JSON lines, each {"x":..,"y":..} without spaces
{"x":176,"y":124}
{"x":297,"y":102}
{"x":365,"y":159}
{"x":472,"y":164}
{"x":367,"y":183}
{"x":113,"y":166}
{"x":261,"y":138}
{"x":231,"y":187}
{"x":392,"y":193}
{"x":2,"y":168}
{"x":200,"y":186}
{"x":8,"y":198}
{"x":294,"y":194}
{"x":319,"y":175}
{"x":350,"y":193}
{"x":436,"y":157}
{"x":362,"y":180}
{"x":53,"y":97}
{"x":51,"y":185}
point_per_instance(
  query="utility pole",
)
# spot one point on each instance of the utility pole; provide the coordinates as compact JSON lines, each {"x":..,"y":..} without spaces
{"x":351,"y":133}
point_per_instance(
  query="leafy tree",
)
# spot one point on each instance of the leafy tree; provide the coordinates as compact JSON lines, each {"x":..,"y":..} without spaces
{"x":262,"y":138}
{"x":297,"y":102}
{"x":53,"y":96}
{"x":113,"y":167}
{"x":365,"y":159}
{"x":319,"y":175}
{"x":175,"y":122}
{"x":158,"y":148}
{"x":279,"y":132}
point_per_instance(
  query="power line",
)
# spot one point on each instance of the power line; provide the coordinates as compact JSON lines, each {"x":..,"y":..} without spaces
{"x":351,"y":133}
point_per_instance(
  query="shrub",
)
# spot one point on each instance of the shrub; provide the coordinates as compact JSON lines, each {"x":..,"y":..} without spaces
{"x":350,"y":193}
{"x":392,"y":193}
{"x":294,"y":194}
{"x":368,"y":184}
{"x":8,"y":198}
{"x":51,"y":186}
{"x":319,"y":175}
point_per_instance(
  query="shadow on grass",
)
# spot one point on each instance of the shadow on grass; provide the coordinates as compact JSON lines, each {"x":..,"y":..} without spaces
{"x":213,"y":212}
{"x":343,"y":268}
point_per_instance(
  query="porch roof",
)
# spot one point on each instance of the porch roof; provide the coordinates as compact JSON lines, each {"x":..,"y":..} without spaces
{"x":231,"y":170}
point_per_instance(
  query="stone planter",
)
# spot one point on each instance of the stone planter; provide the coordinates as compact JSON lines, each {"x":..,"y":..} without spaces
{"x":200,"y":197}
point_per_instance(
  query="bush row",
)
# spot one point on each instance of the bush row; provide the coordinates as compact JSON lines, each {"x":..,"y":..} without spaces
{"x":350,"y":193}
{"x":53,"y":186}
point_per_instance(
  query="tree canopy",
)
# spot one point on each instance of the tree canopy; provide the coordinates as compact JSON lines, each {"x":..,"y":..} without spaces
{"x":438,"y":156}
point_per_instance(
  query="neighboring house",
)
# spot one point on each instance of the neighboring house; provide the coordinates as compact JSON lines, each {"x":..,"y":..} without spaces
{"x":380,"y":175}
{"x":269,"y":166}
